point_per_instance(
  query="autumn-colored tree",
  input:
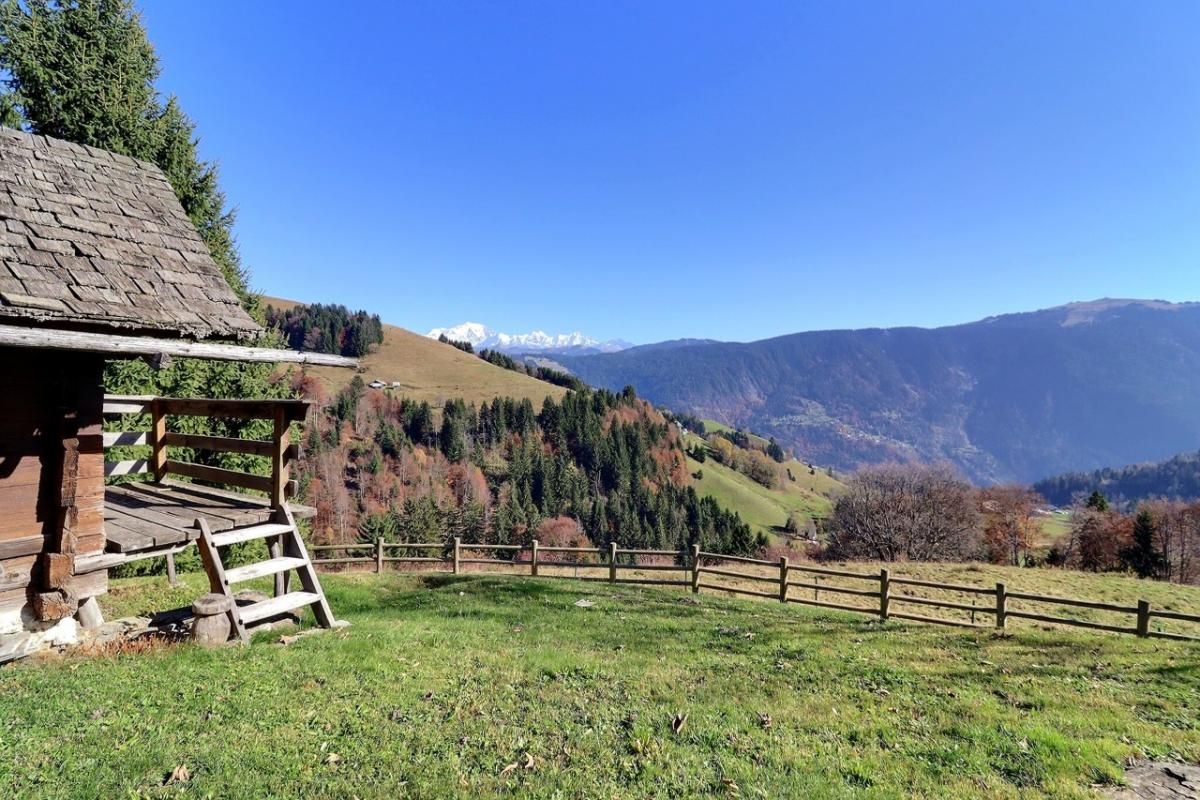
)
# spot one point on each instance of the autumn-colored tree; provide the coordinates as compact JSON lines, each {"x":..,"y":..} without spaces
{"x":1010,"y":524}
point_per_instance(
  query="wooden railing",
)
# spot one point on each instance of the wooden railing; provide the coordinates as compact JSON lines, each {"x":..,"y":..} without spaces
{"x":279,"y":450}
{"x":879,"y":592}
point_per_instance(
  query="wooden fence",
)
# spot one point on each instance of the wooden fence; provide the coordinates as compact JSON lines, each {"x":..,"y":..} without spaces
{"x":880,"y":594}
{"x":279,"y":450}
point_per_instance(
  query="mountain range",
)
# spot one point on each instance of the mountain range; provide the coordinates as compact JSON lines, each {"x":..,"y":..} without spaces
{"x":1012,"y":397}
{"x":482,"y":337}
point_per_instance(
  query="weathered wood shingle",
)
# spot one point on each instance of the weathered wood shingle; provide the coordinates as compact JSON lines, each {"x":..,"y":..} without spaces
{"x":89,"y":237}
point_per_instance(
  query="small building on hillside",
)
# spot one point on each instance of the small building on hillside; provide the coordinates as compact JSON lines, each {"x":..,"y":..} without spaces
{"x":99,"y":261}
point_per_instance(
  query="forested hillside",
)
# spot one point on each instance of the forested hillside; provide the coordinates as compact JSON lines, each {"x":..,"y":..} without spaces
{"x":1015,"y":397}
{"x":321,"y":328}
{"x":592,"y":466}
{"x":1176,"y":478}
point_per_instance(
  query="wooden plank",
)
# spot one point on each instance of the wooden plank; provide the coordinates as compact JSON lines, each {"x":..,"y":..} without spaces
{"x":137,"y":466}
{"x":118,"y":345}
{"x":189,"y":507}
{"x":292,"y":410}
{"x":164,"y":512}
{"x":162,"y":534}
{"x":823,"y":587}
{"x":277,"y":605}
{"x":24,"y":546}
{"x":925,"y":601}
{"x":123,"y":540}
{"x":949,"y":587}
{"x":126,"y":439}
{"x":117,"y":405}
{"x":837,"y":606}
{"x":1175,"y":615}
{"x":1078,"y":623}
{"x":935,"y":620}
{"x":837,"y":573}
{"x":1070,"y":601}
{"x":224,"y":444}
{"x":262,"y":569}
{"x":749,"y":592}
{"x":728,"y":573}
{"x":740,"y":559}
{"x":228,"y":477}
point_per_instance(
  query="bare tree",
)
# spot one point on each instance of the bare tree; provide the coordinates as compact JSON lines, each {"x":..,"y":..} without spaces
{"x":904,"y":512}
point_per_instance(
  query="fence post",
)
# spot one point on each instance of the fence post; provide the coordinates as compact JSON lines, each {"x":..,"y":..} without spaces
{"x":172,"y":578}
{"x":885,"y":593}
{"x":378,"y":555}
{"x":533,"y":560}
{"x":457,"y":545}
{"x":696,"y":569}
{"x":158,"y":435}
{"x":783,"y":579}
{"x":612,"y":562}
{"x":1001,"y":606}
{"x":1143,"y":618}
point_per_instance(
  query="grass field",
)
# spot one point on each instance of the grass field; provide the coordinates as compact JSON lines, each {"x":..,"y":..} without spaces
{"x":430,"y":370}
{"x":485,"y":686}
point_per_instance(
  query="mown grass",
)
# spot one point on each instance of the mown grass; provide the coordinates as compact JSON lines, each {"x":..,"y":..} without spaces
{"x":443,"y":682}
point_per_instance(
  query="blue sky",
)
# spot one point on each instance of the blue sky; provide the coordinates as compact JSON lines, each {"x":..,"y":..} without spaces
{"x":727,"y":170}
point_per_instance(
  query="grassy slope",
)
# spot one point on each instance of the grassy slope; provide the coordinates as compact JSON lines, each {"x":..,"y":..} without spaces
{"x":442,"y":682}
{"x":430,"y":370}
{"x":766,"y":509}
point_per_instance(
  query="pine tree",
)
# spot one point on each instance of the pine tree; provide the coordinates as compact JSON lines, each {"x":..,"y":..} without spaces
{"x":1142,"y":555}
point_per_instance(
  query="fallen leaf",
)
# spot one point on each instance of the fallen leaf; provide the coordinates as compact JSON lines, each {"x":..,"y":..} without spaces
{"x":333,"y":758}
{"x":678,"y":722}
{"x":764,"y":720}
{"x":509,"y":768}
{"x":528,"y":762}
{"x":178,"y":775}
{"x":584,"y":604}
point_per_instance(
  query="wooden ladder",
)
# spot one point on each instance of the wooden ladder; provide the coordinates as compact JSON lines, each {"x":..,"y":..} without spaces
{"x":287,"y":555}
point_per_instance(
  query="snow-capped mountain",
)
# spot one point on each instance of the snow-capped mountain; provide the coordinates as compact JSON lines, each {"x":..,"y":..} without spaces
{"x":482,"y":337}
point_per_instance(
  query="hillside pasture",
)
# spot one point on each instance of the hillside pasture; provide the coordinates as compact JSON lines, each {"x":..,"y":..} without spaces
{"x":432,"y":371}
{"x":485,"y":686}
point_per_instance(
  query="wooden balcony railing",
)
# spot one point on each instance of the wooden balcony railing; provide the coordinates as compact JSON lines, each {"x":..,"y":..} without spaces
{"x":279,"y":450}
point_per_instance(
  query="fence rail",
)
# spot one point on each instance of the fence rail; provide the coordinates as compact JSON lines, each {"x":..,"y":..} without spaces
{"x":697,"y":564}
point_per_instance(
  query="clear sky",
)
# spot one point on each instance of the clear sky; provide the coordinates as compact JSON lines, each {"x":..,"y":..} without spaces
{"x":727,"y":170}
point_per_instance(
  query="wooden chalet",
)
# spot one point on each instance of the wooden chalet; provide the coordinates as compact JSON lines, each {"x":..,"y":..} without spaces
{"x":99,"y":261}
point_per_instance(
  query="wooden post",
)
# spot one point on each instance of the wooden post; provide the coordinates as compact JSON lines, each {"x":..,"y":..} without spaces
{"x":172,"y":578}
{"x":783,"y":579}
{"x":378,"y":555}
{"x":158,"y":437}
{"x":885,"y":593}
{"x":1143,"y":618}
{"x":1001,"y":606}
{"x":533,"y":560}
{"x":457,"y":545}
{"x":612,"y":562}
{"x":280,"y":441}
{"x":695,"y":569}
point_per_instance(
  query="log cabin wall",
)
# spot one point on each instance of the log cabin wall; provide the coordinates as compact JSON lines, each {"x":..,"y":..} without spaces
{"x":51,"y":484}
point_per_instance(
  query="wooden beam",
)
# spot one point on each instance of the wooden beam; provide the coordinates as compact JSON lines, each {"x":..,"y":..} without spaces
{"x":117,"y":346}
{"x":228,"y":477}
{"x":224,"y":444}
{"x":293,"y":410}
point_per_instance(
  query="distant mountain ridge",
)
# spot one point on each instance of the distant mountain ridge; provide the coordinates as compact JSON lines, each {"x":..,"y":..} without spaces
{"x":1176,"y":478}
{"x":1011,"y":397}
{"x":482,"y":337}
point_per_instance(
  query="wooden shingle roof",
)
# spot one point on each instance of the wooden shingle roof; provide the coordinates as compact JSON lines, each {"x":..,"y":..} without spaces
{"x":90,"y":239}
